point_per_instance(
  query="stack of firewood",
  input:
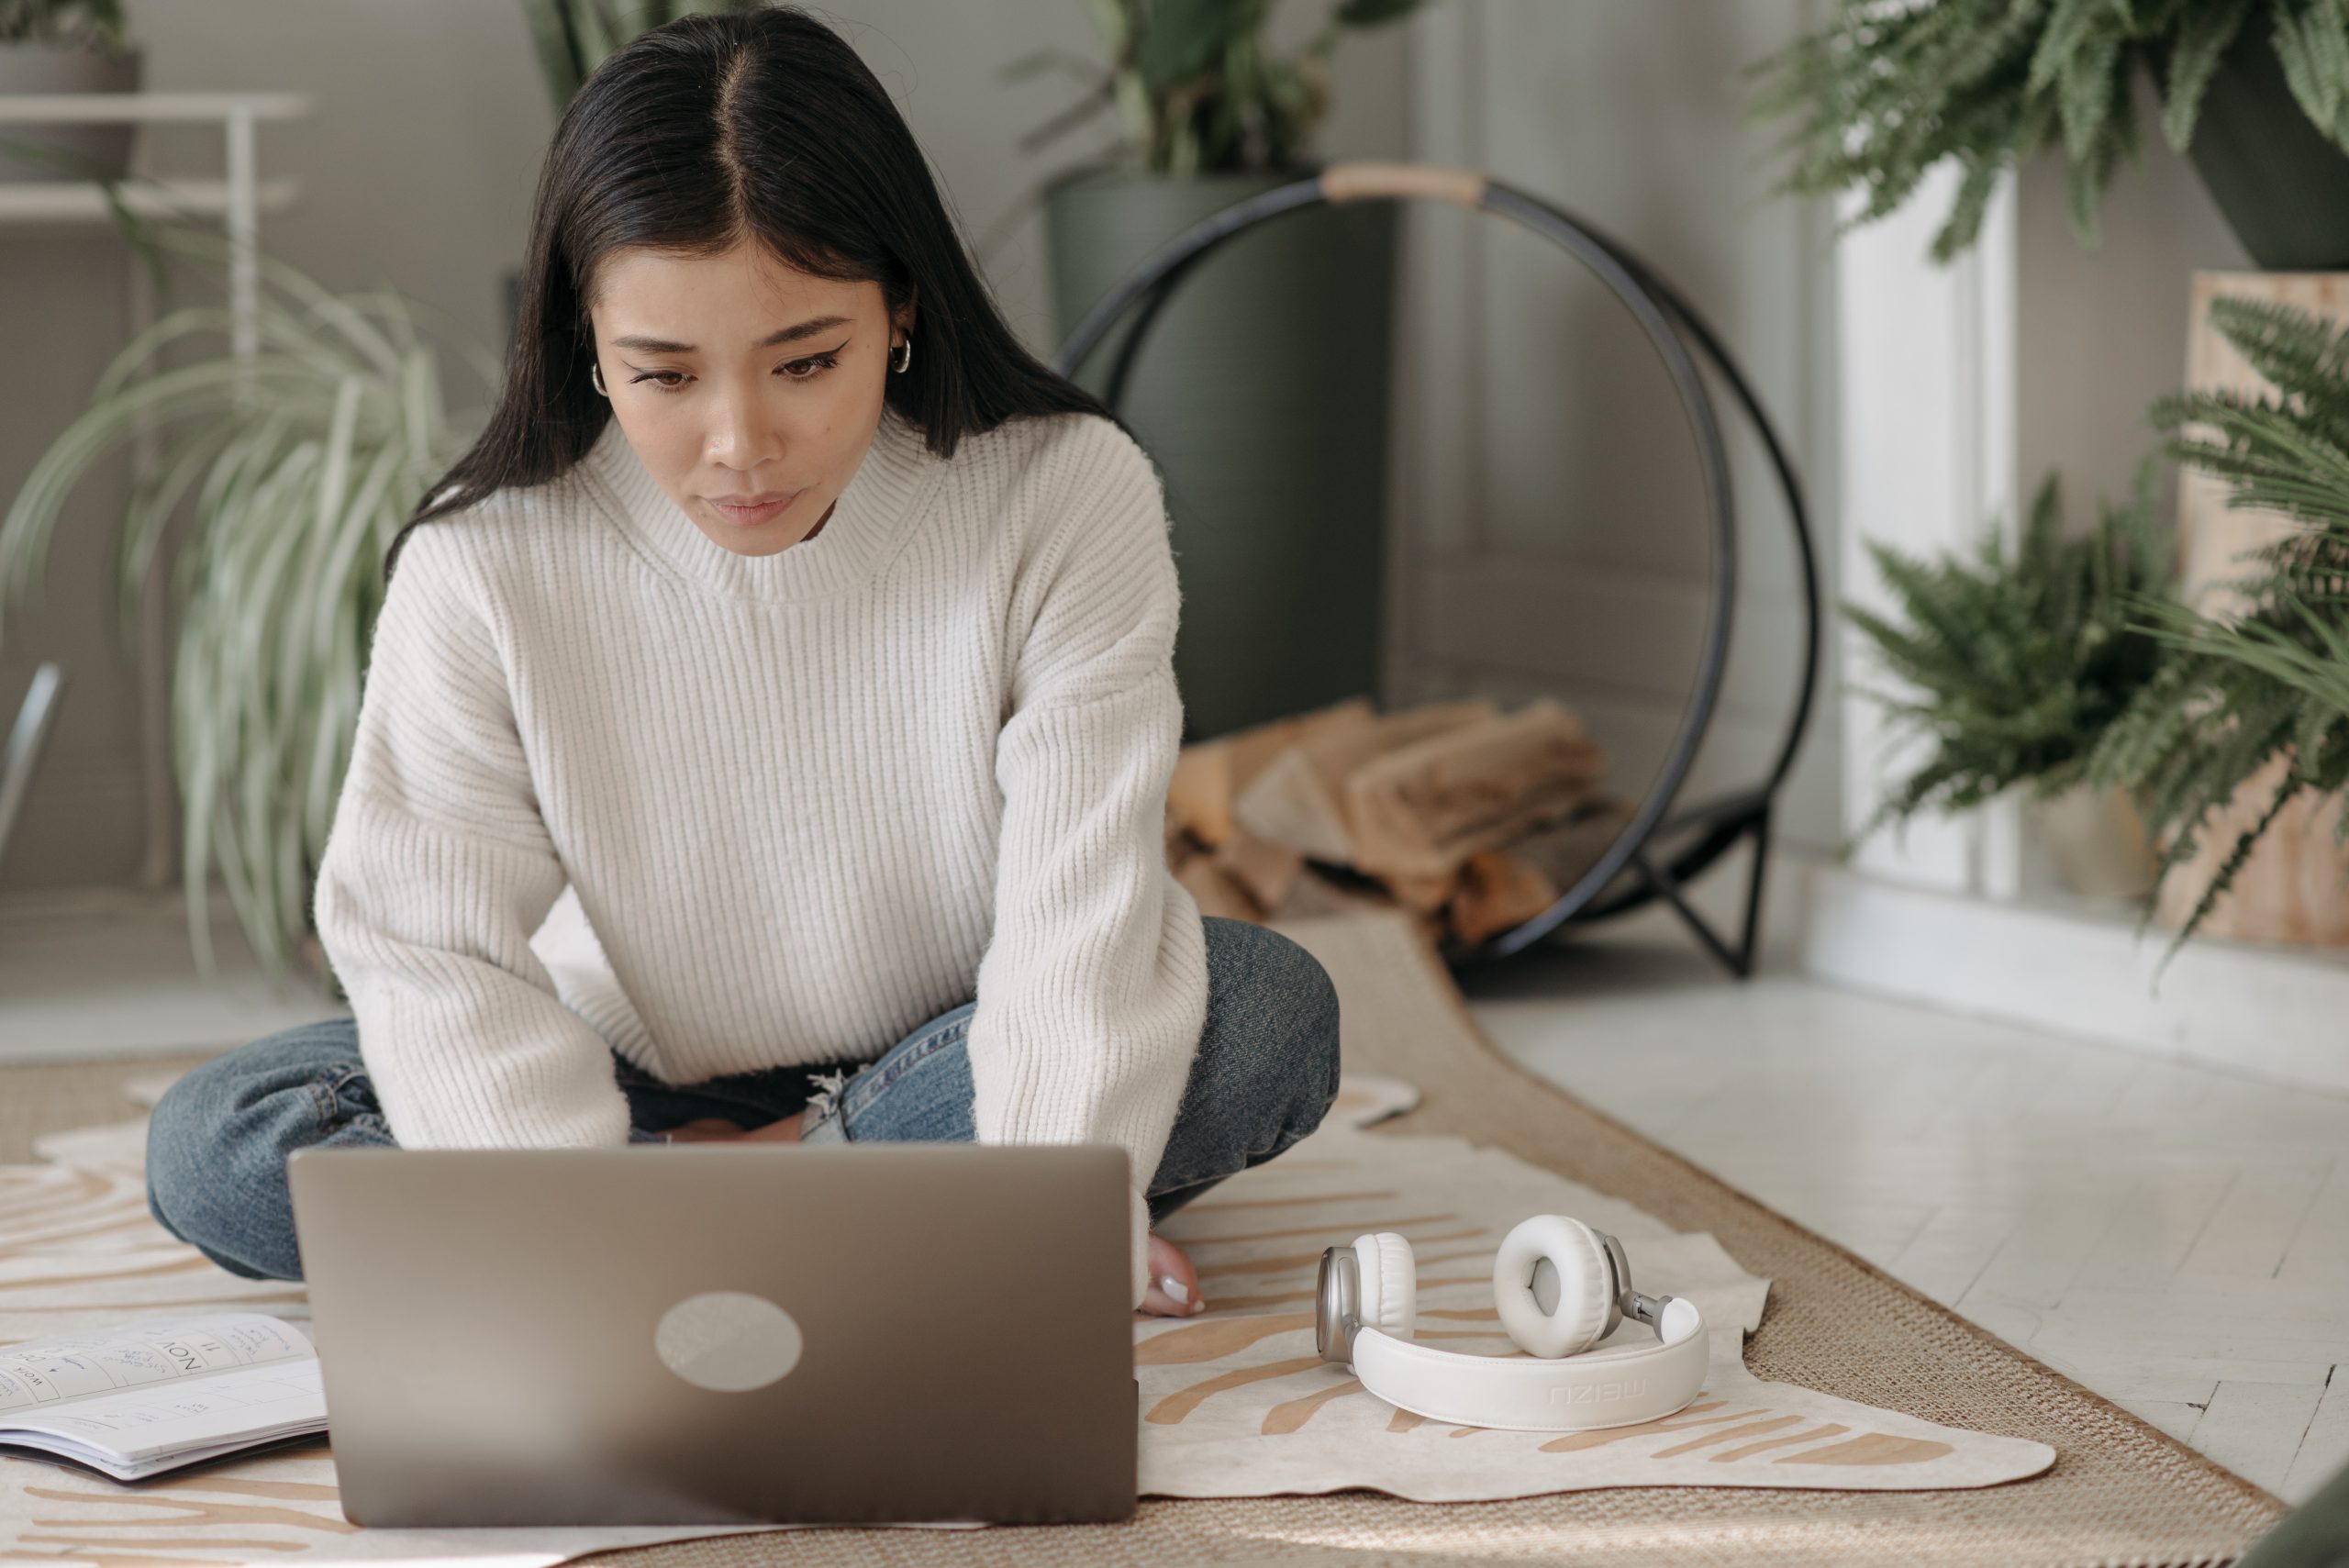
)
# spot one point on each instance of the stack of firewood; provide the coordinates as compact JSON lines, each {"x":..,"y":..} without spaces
{"x":1472,"y":819}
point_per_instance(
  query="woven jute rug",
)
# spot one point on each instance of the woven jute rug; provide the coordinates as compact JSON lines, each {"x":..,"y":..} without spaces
{"x":2118,"y":1493}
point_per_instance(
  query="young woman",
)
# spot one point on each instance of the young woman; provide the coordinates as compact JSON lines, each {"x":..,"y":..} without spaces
{"x":819,"y":640}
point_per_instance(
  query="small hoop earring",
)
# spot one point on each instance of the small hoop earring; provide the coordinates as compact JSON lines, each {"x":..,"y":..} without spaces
{"x":904,"y":356}
{"x":596,"y":374}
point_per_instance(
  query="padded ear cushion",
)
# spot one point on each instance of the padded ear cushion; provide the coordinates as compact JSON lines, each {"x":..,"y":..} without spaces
{"x":1585,"y":1296}
{"x":1390,"y":1284}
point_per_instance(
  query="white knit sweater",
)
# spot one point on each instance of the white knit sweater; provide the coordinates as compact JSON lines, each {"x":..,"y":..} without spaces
{"x":808,"y":801}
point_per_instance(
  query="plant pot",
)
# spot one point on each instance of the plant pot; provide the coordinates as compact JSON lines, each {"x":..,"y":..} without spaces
{"x":2291,"y":888}
{"x":66,"y":152}
{"x":2098,"y":842}
{"x":2282,"y":186}
{"x":2294,"y":884}
{"x":1261,"y":392}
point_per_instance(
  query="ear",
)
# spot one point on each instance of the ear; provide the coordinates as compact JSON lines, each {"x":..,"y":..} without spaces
{"x":905,"y":317}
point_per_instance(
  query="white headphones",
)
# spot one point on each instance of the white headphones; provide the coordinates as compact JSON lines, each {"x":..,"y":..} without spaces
{"x":1559,"y":1287}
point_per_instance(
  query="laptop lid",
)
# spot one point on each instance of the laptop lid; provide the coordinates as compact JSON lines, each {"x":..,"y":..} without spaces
{"x":722,"y":1332}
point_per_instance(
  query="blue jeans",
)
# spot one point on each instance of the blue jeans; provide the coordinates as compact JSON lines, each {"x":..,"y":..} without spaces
{"x":1264,"y":1073}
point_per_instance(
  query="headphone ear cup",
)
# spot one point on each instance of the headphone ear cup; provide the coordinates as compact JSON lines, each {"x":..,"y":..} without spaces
{"x":1585,"y":1309}
{"x":1390,"y":1284}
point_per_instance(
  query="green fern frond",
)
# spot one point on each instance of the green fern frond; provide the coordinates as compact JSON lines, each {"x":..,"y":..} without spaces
{"x":1880,"y":93}
{"x":2010,"y":664}
{"x":2205,"y":34}
{"x":2223,"y":879}
{"x":2234,"y":697}
{"x":2312,"y":42}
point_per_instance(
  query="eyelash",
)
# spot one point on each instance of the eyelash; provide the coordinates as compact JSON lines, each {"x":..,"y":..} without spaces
{"x":821,"y":361}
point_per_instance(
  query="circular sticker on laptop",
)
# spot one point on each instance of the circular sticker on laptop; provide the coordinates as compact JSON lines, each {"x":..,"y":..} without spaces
{"x":727,"y":1340}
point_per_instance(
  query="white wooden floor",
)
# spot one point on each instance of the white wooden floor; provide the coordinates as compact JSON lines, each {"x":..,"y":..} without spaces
{"x":2175,"y":1238}
{"x":103,"y":972}
{"x":2172,"y":1237}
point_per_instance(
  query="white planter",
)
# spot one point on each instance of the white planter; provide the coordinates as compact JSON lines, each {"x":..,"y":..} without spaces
{"x":2098,"y":842}
{"x":30,"y":68}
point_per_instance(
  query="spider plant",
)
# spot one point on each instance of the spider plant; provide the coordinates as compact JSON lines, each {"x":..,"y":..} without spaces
{"x":301,"y":461}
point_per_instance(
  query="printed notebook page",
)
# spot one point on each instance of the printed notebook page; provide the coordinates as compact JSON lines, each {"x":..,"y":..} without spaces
{"x":160,"y":1392}
{"x":60,"y":1367}
{"x":136,"y":1432}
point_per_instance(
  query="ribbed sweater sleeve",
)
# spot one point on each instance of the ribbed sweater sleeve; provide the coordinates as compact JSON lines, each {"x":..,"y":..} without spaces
{"x":437,"y":870}
{"x":1093,"y":991}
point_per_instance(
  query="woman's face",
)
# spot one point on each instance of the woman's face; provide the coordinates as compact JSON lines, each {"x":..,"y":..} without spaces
{"x":750,"y":389}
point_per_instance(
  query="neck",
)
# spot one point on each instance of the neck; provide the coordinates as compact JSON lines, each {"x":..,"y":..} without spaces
{"x":856,"y":539}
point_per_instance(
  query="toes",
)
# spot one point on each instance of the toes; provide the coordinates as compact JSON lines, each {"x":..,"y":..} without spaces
{"x":1174,"y":1283}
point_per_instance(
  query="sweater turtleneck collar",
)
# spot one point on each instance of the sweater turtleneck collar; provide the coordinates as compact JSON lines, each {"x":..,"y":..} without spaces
{"x":869,"y":523}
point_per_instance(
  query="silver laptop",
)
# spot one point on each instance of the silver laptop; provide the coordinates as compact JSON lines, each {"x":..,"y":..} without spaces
{"x":722,"y":1333}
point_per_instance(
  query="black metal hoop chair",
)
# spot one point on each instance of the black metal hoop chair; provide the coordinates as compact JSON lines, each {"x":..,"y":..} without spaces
{"x":1673,"y":327}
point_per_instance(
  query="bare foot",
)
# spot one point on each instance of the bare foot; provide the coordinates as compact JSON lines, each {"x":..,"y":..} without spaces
{"x":1174,"y":1284}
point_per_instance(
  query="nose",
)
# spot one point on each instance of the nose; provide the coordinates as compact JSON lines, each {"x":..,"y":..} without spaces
{"x":740,"y":435}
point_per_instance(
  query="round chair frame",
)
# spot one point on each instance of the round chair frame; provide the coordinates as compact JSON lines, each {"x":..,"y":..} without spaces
{"x":1673,"y":329}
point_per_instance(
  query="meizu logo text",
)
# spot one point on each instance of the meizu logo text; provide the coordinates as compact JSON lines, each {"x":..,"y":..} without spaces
{"x":1599,"y":1392}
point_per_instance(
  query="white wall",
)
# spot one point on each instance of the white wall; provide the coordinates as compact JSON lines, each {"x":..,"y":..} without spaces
{"x":2102,"y":333}
{"x":1556,"y":532}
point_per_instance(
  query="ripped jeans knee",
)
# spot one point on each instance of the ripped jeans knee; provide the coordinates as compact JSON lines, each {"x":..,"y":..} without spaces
{"x":823,"y":1121}
{"x":918,"y":1091}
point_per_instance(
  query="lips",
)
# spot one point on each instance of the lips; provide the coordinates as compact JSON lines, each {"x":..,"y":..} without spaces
{"x":752,"y":510}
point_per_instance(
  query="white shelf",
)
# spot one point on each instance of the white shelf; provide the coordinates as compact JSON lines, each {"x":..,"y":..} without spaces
{"x":238,"y":199}
{"x":120,"y":109}
{"x":75,"y":201}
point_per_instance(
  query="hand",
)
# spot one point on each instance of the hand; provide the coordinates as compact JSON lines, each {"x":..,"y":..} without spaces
{"x":718,"y":1130}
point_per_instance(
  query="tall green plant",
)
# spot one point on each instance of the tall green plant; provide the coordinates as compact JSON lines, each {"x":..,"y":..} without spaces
{"x":300,"y":462}
{"x":1885,"y":90}
{"x":1195,"y":87}
{"x":2236,"y":695}
{"x":2011,"y":667}
{"x":573,"y":36}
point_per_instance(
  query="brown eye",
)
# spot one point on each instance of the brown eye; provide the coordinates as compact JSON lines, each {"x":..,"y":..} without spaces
{"x":810,"y":368}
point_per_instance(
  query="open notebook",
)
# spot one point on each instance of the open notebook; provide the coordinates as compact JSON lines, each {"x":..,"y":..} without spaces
{"x":156,"y":1395}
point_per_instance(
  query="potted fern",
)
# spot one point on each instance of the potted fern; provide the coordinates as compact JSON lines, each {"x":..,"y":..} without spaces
{"x":298,"y":463}
{"x":2251,"y":706}
{"x":2254,"y":92}
{"x":1267,"y":377}
{"x":2012,"y":668}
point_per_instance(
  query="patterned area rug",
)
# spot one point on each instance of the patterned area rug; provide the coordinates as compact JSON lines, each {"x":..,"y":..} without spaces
{"x":1854,"y":1397}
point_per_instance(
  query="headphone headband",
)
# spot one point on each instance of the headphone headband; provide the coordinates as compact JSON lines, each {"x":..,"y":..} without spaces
{"x":1619,"y":1387}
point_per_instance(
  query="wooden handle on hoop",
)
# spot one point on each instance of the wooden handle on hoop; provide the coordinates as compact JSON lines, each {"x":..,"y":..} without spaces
{"x":1354,"y":181}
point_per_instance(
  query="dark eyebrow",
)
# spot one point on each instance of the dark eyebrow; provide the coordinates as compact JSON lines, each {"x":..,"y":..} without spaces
{"x":787,"y":335}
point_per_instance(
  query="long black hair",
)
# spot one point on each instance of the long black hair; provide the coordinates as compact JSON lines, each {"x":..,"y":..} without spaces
{"x":756,"y":124}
